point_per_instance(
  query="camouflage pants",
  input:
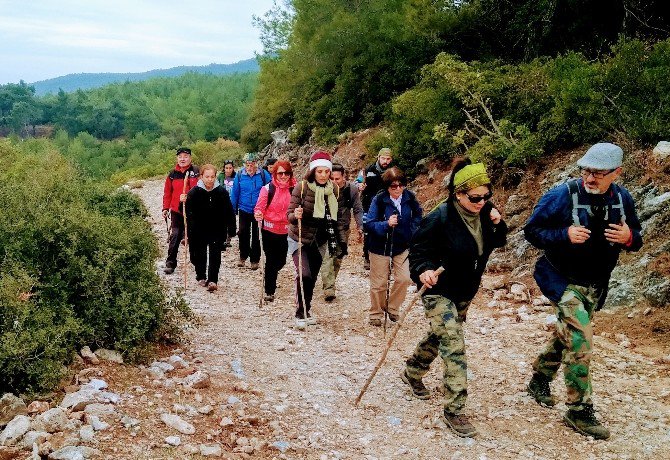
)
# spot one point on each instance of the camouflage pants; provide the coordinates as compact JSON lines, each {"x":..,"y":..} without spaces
{"x":329,"y":270}
{"x":572,"y":344}
{"x":445,"y":338}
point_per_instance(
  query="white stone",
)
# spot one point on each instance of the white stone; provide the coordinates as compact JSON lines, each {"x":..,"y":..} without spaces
{"x":87,"y":433}
{"x":177,"y":362}
{"x":80,"y":399}
{"x":662,"y":150}
{"x":100,"y":409}
{"x":210,"y":450}
{"x":179,"y":424}
{"x":109,"y":355}
{"x":97,"y":384}
{"x":197,"y":380}
{"x":226,"y":421}
{"x":96,"y":423}
{"x":165,"y":367}
{"x":14,"y":430}
{"x":74,"y":453}
{"x":32,"y":437}
{"x":10,"y":407}
{"x":173,"y":440}
{"x":51,"y":421}
{"x":88,"y":355}
{"x":206,"y":410}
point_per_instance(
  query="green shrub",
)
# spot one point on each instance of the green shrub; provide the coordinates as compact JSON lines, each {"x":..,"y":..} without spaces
{"x":77,"y":268}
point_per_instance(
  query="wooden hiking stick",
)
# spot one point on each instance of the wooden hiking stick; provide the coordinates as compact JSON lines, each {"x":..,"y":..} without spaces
{"x":302,"y":288}
{"x":417,"y":296}
{"x":184,"y":191}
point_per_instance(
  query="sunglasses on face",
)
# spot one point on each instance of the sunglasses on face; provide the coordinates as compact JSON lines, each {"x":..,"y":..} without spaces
{"x":395,"y":186}
{"x":477,"y":199}
{"x":596,"y":174}
{"x":283,"y":173}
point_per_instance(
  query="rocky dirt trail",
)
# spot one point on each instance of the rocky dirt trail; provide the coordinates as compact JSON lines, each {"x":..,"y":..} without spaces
{"x":300,"y":385}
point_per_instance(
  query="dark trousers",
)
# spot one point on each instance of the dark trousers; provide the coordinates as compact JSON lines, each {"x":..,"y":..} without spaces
{"x":276,"y":248}
{"x":199,"y":259}
{"x":176,"y":235}
{"x":311,"y":264}
{"x":250,"y":244}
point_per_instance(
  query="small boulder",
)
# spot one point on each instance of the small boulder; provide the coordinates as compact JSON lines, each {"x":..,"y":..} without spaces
{"x":197,"y":380}
{"x":51,"y":421}
{"x":173,"y":441}
{"x":210,"y":450}
{"x":89,"y":356}
{"x":179,"y":424}
{"x":15,"y":430}
{"x":109,"y":355}
{"x":662,"y":150}
{"x":10,"y":407}
{"x":75,"y":453}
{"x":38,"y":407}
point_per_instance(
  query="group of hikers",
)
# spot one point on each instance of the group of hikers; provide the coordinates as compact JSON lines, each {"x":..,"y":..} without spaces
{"x":581,"y":226}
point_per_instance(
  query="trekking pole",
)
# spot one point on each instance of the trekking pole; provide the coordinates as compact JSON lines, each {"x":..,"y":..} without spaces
{"x":388,"y":277}
{"x":263,"y":262}
{"x":417,"y":296}
{"x":188,"y":174}
{"x":302,"y":288}
{"x":168,"y":224}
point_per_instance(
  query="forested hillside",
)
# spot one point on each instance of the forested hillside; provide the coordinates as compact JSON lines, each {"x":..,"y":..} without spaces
{"x":73,"y":82}
{"x":505,"y":80}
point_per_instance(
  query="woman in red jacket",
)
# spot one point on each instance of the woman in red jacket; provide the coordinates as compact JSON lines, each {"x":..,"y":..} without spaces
{"x":270,"y":212}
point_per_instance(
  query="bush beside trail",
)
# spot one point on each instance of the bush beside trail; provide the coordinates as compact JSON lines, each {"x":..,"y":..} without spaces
{"x":77,"y":268}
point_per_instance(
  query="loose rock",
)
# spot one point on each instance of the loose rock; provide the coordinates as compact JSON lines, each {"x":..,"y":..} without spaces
{"x":14,"y":430}
{"x":179,"y":424}
{"x":89,"y":356}
{"x":10,"y":407}
{"x":109,"y":355}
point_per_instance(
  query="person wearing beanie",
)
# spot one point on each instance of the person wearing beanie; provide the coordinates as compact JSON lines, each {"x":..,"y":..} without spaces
{"x":173,"y":197}
{"x":371,"y":185}
{"x":270,"y":212}
{"x":316,"y":203}
{"x":246,"y":188}
{"x":581,"y":226}
{"x":458,"y":235}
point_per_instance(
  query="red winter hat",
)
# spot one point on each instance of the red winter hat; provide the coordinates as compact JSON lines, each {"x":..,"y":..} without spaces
{"x":320,"y":158}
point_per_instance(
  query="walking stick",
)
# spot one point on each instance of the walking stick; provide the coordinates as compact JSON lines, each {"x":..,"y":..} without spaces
{"x":388,"y":277}
{"x":417,"y":296}
{"x":168,"y":225}
{"x":302,"y":288}
{"x":263,"y":262}
{"x":184,"y":191}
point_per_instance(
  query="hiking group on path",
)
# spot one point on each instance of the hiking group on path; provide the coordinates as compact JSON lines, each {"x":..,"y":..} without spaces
{"x":581,"y":226}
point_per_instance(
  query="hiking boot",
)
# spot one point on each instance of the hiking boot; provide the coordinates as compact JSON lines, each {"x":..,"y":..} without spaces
{"x":253,"y":266}
{"x":419,"y":390}
{"x":300,"y":323}
{"x":329,"y":297}
{"x":459,"y":424}
{"x":366,"y":264}
{"x":376,"y":322}
{"x":584,"y":421}
{"x":538,"y":388}
{"x":211,"y":286}
{"x":393,"y":317}
{"x":241,"y":262}
{"x":169,"y":268}
{"x":269,"y":298}
{"x":202,"y":283}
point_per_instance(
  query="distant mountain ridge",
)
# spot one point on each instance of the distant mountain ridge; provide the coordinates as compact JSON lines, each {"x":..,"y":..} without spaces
{"x":73,"y":82}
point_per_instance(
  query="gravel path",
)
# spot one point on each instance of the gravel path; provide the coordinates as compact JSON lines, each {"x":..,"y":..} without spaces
{"x":309,"y":379}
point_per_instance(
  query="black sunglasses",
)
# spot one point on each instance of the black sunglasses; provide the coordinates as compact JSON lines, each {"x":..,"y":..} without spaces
{"x":283,"y":173}
{"x":477,"y":199}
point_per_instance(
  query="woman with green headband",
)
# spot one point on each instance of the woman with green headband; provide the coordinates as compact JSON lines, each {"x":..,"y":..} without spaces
{"x":459,"y":235}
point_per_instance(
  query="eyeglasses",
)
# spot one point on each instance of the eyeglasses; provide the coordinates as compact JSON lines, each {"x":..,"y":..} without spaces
{"x":477,"y":199}
{"x":283,"y":173}
{"x":395,"y":186}
{"x":596,"y":174}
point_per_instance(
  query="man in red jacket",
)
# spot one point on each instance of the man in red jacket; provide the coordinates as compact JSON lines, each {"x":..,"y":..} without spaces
{"x":173,"y":197}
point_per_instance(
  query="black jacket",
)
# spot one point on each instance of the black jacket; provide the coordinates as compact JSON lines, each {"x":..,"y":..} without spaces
{"x":209,"y":214}
{"x":373,"y":184}
{"x":443,"y":239}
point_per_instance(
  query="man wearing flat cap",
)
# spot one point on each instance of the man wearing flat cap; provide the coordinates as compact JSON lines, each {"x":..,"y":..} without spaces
{"x":582,"y":226}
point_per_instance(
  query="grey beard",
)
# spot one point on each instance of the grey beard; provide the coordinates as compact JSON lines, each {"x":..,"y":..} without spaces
{"x":593,"y":191}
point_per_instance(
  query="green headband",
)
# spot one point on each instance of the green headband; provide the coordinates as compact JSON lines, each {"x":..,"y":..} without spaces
{"x":471,"y":176}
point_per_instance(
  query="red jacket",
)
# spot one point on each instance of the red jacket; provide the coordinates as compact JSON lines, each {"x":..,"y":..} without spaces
{"x":174,"y":186}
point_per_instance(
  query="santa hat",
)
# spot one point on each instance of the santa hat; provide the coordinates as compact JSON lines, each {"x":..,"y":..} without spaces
{"x":320,"y":158}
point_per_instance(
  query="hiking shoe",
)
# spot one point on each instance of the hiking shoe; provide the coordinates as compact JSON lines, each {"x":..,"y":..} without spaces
{"x":459,"y":424}
{"x":202,"y":283}
{"x":269,"y":297}
{"x":211,"y":286}
{"x":241,"y":262}
{"x":329,"y":297}
{"x":169,"y":268}
{"x":311,"y":320}
{"x":253,"y":266}
{"x":538,"y":388}
{"x":366,"y":264}
{"x":419,"y":390}
{"x":585,"y":422}
{"x":376,"y":322}
{"x":300,"y":323}
{"x":393,"y":317}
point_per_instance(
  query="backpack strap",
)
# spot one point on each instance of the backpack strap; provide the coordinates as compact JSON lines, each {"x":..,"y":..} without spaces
{"x":573,"y":189}
{"x":272,"y":189}
{"x":619,"y":206}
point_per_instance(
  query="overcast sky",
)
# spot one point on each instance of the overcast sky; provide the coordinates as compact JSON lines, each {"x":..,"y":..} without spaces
{"x":43,"y":39}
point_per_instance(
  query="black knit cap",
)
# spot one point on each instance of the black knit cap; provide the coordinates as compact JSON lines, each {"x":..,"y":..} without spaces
{"x":183,"y":150}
